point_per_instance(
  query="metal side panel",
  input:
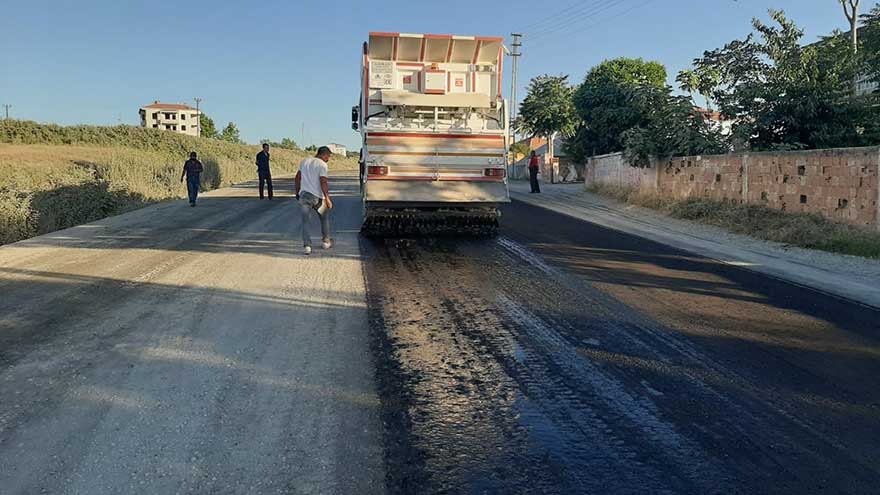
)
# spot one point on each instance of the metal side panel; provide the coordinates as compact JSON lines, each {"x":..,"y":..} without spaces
{"x":436,"y":191}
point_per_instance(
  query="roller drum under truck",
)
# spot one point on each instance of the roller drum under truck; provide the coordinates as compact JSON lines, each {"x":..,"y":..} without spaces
{"x":434,"y":134}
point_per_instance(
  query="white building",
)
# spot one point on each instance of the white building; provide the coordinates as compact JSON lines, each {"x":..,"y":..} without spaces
{"x":337,"y":149}
{"x":718,"y":121}
{"x":175,"y":117}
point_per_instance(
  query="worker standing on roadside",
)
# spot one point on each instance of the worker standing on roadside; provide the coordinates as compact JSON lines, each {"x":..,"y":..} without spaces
{"x":192,"y":169}
{"x":263,"y":171}
{"x":313,"y":192}
{"x":533,"y":172}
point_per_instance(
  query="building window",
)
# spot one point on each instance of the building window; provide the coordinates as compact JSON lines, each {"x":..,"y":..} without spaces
{"x":155,"y":115}
{"x":183,"y":116}
{"x":167,"y":127}
{"x":183,"y":128}
{"x":155,"y":126}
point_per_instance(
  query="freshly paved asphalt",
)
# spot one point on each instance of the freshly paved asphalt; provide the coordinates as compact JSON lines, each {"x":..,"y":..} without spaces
{"x":564,"y":357}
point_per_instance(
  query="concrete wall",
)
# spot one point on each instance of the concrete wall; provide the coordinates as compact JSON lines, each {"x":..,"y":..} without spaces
{"x":612,"y":169}
{"x":841,"y":184}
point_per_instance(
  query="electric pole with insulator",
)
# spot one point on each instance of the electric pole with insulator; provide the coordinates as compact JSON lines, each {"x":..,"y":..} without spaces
{"x":6,"y":109}
{"x":513,"y":104}
{"x":198,"y":116}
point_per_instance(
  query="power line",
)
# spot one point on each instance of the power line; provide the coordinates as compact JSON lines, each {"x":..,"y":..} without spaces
{"x":556,"y":15}
{"x":572,"y":20}
{"x":574,"y":16}
{"x":549,"y":36}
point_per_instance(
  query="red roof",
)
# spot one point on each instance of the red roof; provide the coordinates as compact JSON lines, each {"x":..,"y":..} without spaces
{"x":710,"y":114}
{"x":169,"y":106}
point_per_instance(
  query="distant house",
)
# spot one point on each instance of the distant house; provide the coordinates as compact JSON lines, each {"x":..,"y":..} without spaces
{"x":540,"y":146}
{"x":175,"y":117}
{"x":337,"y":149}
{"x":725,"y":126}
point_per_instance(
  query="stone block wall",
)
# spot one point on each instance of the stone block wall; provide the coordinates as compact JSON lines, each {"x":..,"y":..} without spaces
{"x":841,"y":184}
{"x":715,"y":177}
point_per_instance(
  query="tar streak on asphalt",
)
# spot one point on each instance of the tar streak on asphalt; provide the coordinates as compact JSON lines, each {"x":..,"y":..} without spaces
{"x":500,"y":372}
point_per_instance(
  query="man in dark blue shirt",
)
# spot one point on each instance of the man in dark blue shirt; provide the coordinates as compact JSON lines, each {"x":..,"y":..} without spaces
{"x":192,"y":169}
{"x":263,"y":170}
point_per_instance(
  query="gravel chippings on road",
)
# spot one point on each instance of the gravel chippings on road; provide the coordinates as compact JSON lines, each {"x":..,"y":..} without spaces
{"x":188,"y":350}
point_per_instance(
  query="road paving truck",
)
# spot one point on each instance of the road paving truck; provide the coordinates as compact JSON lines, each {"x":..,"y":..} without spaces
{"x":434,"y":132}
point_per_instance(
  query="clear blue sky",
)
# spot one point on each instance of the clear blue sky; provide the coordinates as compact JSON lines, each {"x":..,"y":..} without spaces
{"x":273,"y":65}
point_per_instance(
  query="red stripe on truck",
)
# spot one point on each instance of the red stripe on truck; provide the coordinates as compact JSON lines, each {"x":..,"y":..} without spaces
{"x":439,"y":136}
{"x":431,"y":178}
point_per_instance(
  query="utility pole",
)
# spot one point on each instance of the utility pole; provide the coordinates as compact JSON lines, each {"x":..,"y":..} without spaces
{"x":198,"y":116}
{"x":6,"y":107}
{"x":513,"y":102}
{"x":302,"y":134}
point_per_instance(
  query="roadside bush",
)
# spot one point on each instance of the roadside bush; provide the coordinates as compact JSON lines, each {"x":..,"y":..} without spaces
{"x":70,"y":205}
{"x":54,"y":177}
{"x":17,"y":220}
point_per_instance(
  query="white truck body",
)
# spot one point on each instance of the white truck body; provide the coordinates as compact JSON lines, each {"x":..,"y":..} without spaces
{"x":434,"y":125}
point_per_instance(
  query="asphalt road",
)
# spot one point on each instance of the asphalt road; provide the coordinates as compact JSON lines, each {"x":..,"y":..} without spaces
{"x":188,"y":350}
{"x":197,"y":350}
{"x":565,"y":358}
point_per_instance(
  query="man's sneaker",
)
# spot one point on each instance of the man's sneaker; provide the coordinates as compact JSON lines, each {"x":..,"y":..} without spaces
{"x":308,"y":250}
{"x":328,"y":244}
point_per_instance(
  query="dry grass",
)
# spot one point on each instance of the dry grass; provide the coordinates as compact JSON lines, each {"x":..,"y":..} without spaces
{"x":805,"y":230}
{"x":54,"y":177}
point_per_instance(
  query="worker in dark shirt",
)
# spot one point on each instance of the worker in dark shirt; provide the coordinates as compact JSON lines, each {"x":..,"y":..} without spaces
{"x":263,"y":170}
{"x":192,"y":169}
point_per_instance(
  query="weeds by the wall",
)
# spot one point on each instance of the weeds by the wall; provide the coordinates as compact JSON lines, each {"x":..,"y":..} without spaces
{"x":807,"y":230}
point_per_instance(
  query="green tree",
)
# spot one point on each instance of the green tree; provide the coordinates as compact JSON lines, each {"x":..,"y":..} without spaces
{"x":286,"y":143}
{"x":520,"y":148}
{"x":207,"y":127}
{"x":548,"y":108}
{"x":674,"y":128}
{"x":783,"y":95}
{"x":607,"y":105}
{"x":869,"y":39}
{"x":701,"y":82}
{"x":311,"y":148}
{"x":230,"y":133}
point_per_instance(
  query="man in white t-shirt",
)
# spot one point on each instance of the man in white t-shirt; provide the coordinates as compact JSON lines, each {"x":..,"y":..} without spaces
{"x":313,"y":194}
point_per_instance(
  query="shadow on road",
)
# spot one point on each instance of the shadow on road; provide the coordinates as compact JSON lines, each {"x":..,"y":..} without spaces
{"x":231,"y":220}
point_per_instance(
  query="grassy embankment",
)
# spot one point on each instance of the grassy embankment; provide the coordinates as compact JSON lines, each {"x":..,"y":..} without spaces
{"x":804,"y":230}
{"x":54,"y":177}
